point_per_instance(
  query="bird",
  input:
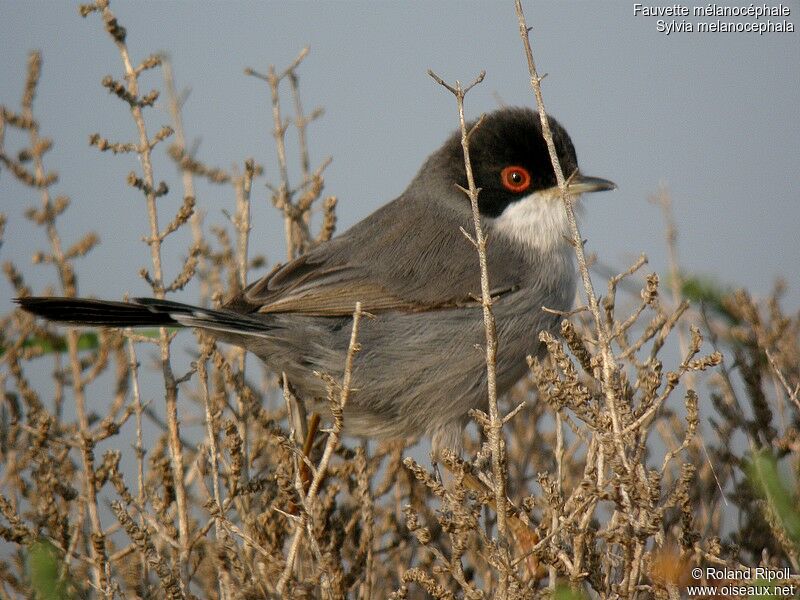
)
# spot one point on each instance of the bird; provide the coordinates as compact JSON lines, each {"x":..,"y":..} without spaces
{"x":409,"y":264}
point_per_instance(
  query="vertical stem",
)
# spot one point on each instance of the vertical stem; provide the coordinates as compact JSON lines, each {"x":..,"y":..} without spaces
{"x":495,"y":421}
{"x":330,"y":446}
{"x":100,"y":567}
{"x":242,"y":223}
{"x":559,"y":454}
{"x":140,"y":451}
{"x":213,"y":452}
{"x":665,"y":202}
{"x":171,"y":387}
{"x":279,"y":133}
{"x":196,"y":220}
{"x":610,"y":369}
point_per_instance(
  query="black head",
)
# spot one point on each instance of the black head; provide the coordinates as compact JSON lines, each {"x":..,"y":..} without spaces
{"x":509,"y":159}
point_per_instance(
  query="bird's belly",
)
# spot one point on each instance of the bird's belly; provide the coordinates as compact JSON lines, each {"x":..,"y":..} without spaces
{"x":416,"y":372}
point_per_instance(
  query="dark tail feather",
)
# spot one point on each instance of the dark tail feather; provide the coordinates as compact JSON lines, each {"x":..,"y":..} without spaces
{"x":100,"y":313}
{"x":143,"y":312}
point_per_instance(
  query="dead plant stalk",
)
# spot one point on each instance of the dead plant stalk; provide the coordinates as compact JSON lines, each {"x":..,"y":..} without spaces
{"x":479,"y":241}
{"x":171,"y":397}
{"x":330,"y":446}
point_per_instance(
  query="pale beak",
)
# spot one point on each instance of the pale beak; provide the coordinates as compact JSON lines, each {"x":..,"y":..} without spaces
{"x":581,"y":184}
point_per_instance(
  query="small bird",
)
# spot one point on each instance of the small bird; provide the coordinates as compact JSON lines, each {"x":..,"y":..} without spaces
{"x":409,"y":264}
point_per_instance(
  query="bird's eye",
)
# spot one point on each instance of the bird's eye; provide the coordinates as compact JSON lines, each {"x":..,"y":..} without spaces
{"x":515,"y":179}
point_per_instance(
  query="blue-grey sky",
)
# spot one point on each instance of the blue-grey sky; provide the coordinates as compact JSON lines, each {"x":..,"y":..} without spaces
{"x":714,"y":116}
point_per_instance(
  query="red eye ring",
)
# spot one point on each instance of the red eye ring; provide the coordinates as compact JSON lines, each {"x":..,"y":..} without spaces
{"x":515,"y":179}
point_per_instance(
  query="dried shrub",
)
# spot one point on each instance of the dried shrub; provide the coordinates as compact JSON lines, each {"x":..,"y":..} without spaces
{"x":615,"y":487}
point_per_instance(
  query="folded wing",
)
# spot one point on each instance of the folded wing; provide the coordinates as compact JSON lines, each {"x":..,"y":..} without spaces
{"x":401,"y":258}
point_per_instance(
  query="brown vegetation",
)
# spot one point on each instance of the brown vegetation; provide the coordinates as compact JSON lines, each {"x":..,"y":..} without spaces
{"x":607,"y":480}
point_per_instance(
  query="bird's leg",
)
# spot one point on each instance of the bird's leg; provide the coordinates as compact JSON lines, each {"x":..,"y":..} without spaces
{"x":436,"y":472}
{"x":308,"y":444}
{"x":446,"y":440}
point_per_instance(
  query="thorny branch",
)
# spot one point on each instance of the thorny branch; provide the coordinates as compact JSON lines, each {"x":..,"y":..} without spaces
{"x":495,"y":420}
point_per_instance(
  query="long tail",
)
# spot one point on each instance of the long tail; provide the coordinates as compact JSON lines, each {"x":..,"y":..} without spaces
{"x":140,"y":312}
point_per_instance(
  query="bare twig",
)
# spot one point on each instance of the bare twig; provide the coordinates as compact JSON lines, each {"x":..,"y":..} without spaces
{"x":130,"y":92}
{"x":330,"y":447}
{"x":610,"y":370}
{"x":495,"y":420}
{"x":100,"y":567}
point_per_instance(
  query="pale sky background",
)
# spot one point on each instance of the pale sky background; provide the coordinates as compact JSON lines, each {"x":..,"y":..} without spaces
{"x":714,"y":116}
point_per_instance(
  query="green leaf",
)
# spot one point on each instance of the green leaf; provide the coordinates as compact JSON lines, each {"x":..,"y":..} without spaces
{"x":44,"y":565}
{"x":702,"y":289}
{"x":86,"y":341}
{"x":564,"y":592}
{"x":762,"y":472}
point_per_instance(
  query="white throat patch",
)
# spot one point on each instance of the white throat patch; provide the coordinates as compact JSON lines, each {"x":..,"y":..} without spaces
{"x":537,"y":222}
